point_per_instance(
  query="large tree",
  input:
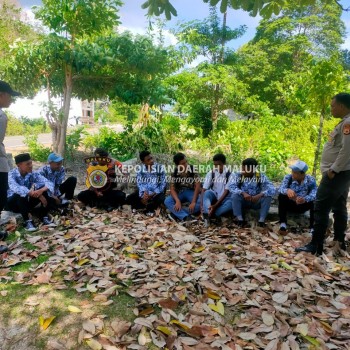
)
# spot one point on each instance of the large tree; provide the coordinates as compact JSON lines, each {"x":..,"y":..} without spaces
{"x":209,"y":38}
{"x":71,"y":50}
{"x":284,"y":47}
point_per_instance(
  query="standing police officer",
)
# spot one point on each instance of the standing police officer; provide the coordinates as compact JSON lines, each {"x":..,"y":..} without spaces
{"x":333,"y":191}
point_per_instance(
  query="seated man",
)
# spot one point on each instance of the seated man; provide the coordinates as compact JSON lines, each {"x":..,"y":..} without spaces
{"x":27,"y":190}
{"x":151,"y":183}
{"x":107,"y":197}
{"x":216,"y":198}
{"x":250,"y":189}
{"x":185,"y":187}
{"x":296,"y":194}
{"x":55,"y":173}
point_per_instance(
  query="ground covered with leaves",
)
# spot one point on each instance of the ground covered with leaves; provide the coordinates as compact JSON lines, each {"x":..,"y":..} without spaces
{"x":122,"y":281}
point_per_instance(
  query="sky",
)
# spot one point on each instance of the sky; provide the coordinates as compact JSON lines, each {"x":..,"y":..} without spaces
{"x":134,"y":18}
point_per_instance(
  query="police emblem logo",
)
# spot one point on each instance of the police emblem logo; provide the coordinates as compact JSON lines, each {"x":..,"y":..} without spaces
{"x":97,"y":173}
{"x":98,"y":178}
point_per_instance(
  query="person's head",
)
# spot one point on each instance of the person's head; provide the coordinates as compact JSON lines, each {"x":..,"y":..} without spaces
{"x":55,"y":161}
{"x":340,"y":105}
{"x":219,"y":161}
{"x":146,"y":158}
{"x":299,"y":169}
{"x":249,"y":166}
{"x":180,"y":161}
{"x":24,"y":163}
{"x":101,"y":152}
{"x":6,"y":94}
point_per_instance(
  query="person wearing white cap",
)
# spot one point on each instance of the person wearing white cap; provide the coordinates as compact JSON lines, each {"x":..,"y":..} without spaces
{"x":55,"y":173}
{"x":297,"y":194}
{"x":6,"y":98}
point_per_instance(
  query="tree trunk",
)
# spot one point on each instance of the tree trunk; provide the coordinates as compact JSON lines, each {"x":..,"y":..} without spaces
{"x":67,"y":96}
{"x":319,"y":140}
{"x":215,"y":107}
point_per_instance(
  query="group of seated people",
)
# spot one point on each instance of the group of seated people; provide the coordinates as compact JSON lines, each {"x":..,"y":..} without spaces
{"x":222,"y":192}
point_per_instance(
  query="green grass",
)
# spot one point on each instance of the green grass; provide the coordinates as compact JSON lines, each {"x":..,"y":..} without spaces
{"x":25,"y":266}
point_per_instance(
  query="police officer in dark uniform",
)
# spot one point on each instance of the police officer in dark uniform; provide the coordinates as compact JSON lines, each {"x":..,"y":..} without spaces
{"x":333,"y":191}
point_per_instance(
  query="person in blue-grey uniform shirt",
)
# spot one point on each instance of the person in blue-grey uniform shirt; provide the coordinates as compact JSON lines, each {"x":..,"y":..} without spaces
{"x":55,"y":173}
{"x":216,"y":198}
{"x":250,"y":190}
{"x":6,"y":98}
{"x":333,"y":190}
{"x":297,"y":194}
{"x":151,"y":185}
{"x":26,"y":190}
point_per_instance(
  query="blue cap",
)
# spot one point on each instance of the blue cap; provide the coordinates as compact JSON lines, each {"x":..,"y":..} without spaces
{"x":299,"y":166}
{"x":53,"y":157}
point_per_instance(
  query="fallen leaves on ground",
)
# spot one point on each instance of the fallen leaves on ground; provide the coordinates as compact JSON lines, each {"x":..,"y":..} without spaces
{"x":196,"y":288}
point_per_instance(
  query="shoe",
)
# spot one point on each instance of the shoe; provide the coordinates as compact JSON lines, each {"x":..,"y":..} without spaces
{"x":150,"y":214}
{"x":261,"y":224}
{"x":309,"y":248}
{"x":48,"y":222}
{"x":241,"y":223}
{"x":3,"y":249}
{"x":206,"y":220}
{"x":283,"y":231}
{"x":218,"y":220}
{"x":65,"y":201}
{"x":134,"y":211}
{"x":188,"y":220}
{"x":342,"y":244}
{"x":311,"y":231}
{"x":3,"y":235}
{"x":30,"y":226}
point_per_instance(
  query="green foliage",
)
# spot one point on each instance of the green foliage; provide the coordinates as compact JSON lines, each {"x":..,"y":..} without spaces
{"x":74,"y":140}
{"x":265,"y":8}
{"x":25,"y":125}
{"x":37,"y":151}
{"x":275,"y":141}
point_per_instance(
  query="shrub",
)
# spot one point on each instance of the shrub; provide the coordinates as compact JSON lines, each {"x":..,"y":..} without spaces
{"x":37,"y":151}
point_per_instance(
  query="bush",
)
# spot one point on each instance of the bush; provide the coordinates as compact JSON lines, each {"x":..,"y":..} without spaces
{"x":37,"y":151}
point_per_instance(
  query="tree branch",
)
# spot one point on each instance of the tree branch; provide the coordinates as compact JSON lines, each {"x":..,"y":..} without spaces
{"x":341,"y":6}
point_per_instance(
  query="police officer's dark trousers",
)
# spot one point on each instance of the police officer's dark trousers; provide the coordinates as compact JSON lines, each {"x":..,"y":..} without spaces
{"x":331,"y":195}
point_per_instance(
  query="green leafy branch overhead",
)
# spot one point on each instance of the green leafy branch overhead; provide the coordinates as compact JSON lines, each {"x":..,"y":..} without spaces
{"x":265,"y":8}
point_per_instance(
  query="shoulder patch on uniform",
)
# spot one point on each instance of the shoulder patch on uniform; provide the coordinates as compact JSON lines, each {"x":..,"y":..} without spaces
{"x":346,"y":129}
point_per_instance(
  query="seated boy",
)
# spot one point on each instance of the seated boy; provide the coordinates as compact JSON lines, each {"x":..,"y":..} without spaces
{"x":185,"y":187}
{"x":251,"y":190}
{"x":151,"y":185}
{"x":216,"y":198}
{"x":107,"y":197}
{"x":296,"y":194}
{"x":55,"y":173}
{"x":26,"y":190}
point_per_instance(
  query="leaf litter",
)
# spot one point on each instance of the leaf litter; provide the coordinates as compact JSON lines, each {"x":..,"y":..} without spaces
{"x":195,"y":288}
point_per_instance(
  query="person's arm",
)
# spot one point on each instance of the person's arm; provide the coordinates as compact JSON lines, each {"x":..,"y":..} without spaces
{"x":141,"y":184}
{"x":3,"y":126}
{"x":197,"y":189}
{"x":162,"y":182}
{"x":284,"y":185}
{"x":221,"y":199}
{"x":268,"y":189}
{"x":311,"y":196}
{"x":343,"y":155}
{"x":15,"y":187}
{"x":233,"y":184}
{"x":48,"y":185}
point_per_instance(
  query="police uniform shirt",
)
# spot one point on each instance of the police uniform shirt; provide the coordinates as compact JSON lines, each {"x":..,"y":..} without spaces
{"x":336,"y":152}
